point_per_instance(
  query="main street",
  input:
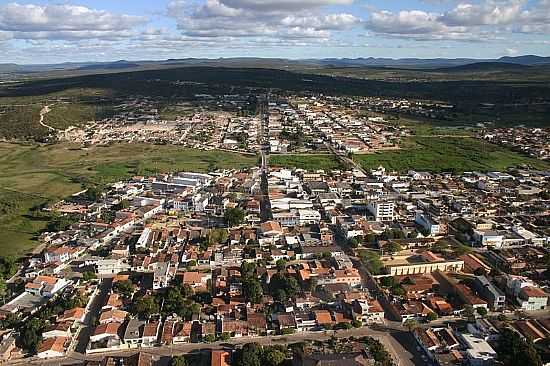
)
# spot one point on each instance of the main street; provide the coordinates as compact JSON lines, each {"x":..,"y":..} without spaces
{"x":398,"y":342}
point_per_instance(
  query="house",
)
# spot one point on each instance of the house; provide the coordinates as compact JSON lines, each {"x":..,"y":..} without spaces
{"x":46,"y":286}
{"x":182,"y":332}
{"x":478,"y":351}
{"x":112,"y":316}
{"x":113,"y":301}
{"x":285,"y":321}
{"x":220,"y":358}
{"x":369,"y":311}
{"x":236,"y":328}
{"x":271,"y":229}
{"x":51,"y":347}
{"x":257,"y":324}
{"x":323,"y":317}
{"x":533,"y":298}
{"x":60,"y":254}
{"x":105,"y":331}
{"x":133,"y":335}
{"x":58,"y":330}
{"x":150,"y":333}
{"x":489,"y":292}
{"x":72,"y":315}
{"x":305,"y":321}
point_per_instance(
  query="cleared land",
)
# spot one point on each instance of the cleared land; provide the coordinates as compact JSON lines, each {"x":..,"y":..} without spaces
{"x":32,"y":175}
{"x":306,"y":161}
{"x":448,"y":154}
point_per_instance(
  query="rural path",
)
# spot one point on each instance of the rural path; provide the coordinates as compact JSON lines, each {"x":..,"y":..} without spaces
{"x":45,"y":110}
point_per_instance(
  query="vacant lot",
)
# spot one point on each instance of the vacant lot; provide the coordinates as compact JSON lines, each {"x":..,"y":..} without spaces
{"x":449,"y":154}
{"x":306,"y":161}
{"x":31,"y":175}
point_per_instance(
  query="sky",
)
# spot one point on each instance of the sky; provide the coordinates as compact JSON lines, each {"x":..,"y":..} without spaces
{"x":39,"y":32}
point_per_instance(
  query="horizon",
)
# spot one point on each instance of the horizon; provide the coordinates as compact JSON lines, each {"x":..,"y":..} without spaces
{"x":279,"y":58}
{"x":102,"y":31}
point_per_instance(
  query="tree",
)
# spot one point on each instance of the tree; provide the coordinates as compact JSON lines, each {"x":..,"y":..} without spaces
{"x":233,"y":216}
{"x":392,"y":247}
{"x":125,"y":288}
{"x":217,"y":236}
{"x":252,"y":290}
{"x":3,"y":289}
{"x":397,"y":290}
{"x":282,"y":287}
{"x":88,"y":276}
{"x":209,"y":338}
{"x":513,"y":350}
{"x":145,"y":306}
{"x":411,"y":324}
{"x":370,"y":238}
{"x":468,"y":313}
{"x":178,"y":361}
{"x":92,"y":194}
{"x":8,"y":266}
{"x":225,"y":336}
{"x":387,"y":281}
{"x":122,"y":205}
{"x":273,"y":355}
{"x":31,"y":334}
{"x":250,"y":355}
{"x":281,"y":265}
{"x":372,"y":261}
{"x":482,"y":311}
{"x":353,"y":242}
{"x":248,"y":269}
{"x":431,"y":316}
{"x":357,"y":323}
{"x":108,"y":216}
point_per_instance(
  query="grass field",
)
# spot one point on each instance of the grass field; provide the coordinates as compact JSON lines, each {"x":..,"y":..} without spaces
{"x":31,"y":175}
{"x":308,"y":162}
{"x":450,"y":154}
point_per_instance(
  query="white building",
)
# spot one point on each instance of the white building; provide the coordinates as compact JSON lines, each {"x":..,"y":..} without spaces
{"x":382,"y":210}
{"x":479,"y":352}
{"x":309,"y":217}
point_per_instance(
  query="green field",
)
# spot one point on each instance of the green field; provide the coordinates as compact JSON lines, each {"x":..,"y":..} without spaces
{"x":448,"y":154}
{"x":31,"y":175}
{"x":306,"y":161}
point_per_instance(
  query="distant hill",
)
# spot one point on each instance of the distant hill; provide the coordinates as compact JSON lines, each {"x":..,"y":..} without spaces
{"x":526,"y":60}
{"x":122,"y":64}
{"x":279,"y":63}
{"x":483,"y":66}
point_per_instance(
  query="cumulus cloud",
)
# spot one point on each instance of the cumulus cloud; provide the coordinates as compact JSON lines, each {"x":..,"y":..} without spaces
{"x":489,"y":13}
{"x":282,"y":5}
{"x":269,"y":19}
{"x":486,"y":20}
{"x":64,"y":22}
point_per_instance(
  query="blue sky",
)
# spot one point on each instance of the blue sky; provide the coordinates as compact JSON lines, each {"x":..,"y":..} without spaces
{"x":35,"y":31}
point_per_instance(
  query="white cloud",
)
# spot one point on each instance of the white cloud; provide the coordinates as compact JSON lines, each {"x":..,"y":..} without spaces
{"x":282,"y":5}
{"x":244,"y":20}
{"x":64,"y":22}
{"x":486,"y":20}
{"x":326,"y":22}
{"x":489,"y":13}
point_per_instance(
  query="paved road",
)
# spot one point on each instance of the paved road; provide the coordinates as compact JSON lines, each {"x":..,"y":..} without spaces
{"x":92,"y":315}
{"x":398,"y":342}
